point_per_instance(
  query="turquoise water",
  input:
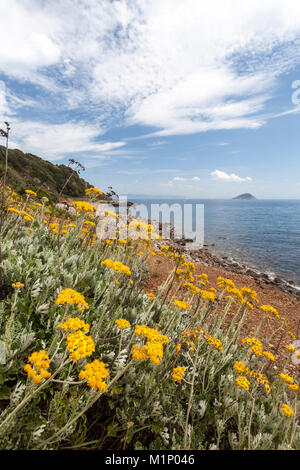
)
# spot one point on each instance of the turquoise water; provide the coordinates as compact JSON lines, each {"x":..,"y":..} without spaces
{"x":264,"y":234}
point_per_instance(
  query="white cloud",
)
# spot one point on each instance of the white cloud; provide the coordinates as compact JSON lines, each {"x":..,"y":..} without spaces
{"x":233,"y":178}
{"x":25,"y":34}
{"x":4,"y":108}
{"x":178,"y":178}
{"x":53,"y":141}
{"x":179,"y":67}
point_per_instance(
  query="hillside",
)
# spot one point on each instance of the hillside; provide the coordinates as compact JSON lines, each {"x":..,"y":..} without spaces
{"x":27,"y":171}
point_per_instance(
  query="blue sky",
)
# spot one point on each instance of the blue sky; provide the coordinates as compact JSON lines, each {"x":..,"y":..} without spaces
{"x":188,"y":98}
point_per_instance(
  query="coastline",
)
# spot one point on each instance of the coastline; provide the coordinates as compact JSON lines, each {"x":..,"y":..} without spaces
{"x":209,"y":258}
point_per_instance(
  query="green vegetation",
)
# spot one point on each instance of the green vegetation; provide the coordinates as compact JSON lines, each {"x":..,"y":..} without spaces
{"x":27,"y":171}
{"x":88,"y":359}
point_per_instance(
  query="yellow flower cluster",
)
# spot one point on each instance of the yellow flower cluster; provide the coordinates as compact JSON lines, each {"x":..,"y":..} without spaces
{"x":224,"y":283}
{"x":255,"y":343}
{"x":12,"y":209}
{"x":83,"y":206}
{"x":40,"y":362}
{"x":122,"y":324}
{"x":240,"y":367}
{"x":193,"y":289}
{"x":95,"y":373}
{"x":248,"y":295}
{"x":269,"y":355}
{"x":178,"y":373}
{"x":186,"y":271}
{"x":141,"y":230}
{"x":150,"y":295}
{"x":291,"y":335}
{"x":72,"y":297}
{"x":29,"y":192}
{"x":234,"y":294}
{"x":54,"y":227}
{"x":215,"y":342}
{"x":270,"y":309}
{"x":261,"y":378}
{"x":294,"y":387}
{"x":89,"y":223}
{"x":287,"y":410}
{"x":291,"y":348}
{"x":139,"y":354}
{"x":150,"y":334}
{"x":74,"y":324}
{"x":79,"y":345}
{"x":93,"y":191}
{"x":202,"y":279}
{"x":111,"y":214}
{"x":117,"y":266}
{"x":17,"y":285}
{"x":195,"y":333}
{"x":27,"y":216}
{"x":183,"y":305}
{"x":153,"y":347}
{"x":244,"y":295}
{"x":206,"y":295}
{"x":287,"y":378}
{"x":242,"y":382}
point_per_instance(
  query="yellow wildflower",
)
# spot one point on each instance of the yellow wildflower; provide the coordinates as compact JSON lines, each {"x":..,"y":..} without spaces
{"x":242,"y":382}
{"x":122,"y":324}
{"x":17,"y":285}
{"x":287,"y":378}
{"x":270,"y":309}
{"x":95,"y":373}
{"x":72,"y":297}
{"x":150,"y":295}
{"x":178,"y":373}
{"x":79,"y":345}
{"x":40,"y":363}
{"x":117,"y":266}
{"x":29,"y":192}
{"x":74,"y":324}
{"x":182,"y":304}
{"x":93,"y":191}
{"x":287,"y":410}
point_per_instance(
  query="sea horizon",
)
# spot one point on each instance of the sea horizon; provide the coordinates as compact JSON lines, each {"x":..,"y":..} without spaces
{"x":265,"y":237}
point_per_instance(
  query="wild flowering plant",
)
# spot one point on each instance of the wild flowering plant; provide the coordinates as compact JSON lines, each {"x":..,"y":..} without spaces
{"x":93,"y":361}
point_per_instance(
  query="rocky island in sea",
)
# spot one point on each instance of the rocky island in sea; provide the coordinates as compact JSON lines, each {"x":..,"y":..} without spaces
{"x":245,"y":196}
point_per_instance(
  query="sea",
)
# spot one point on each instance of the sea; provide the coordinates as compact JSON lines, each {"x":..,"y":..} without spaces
{"x":261,"y":234}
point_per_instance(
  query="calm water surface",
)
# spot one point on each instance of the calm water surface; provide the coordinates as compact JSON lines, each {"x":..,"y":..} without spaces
{"x":264,"y":234}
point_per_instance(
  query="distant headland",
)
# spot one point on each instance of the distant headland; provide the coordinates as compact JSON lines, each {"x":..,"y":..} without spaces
{"x":245,"y":196}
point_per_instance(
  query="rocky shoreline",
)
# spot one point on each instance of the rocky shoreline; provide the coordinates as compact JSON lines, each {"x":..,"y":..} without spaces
{"x":207,"y":257}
